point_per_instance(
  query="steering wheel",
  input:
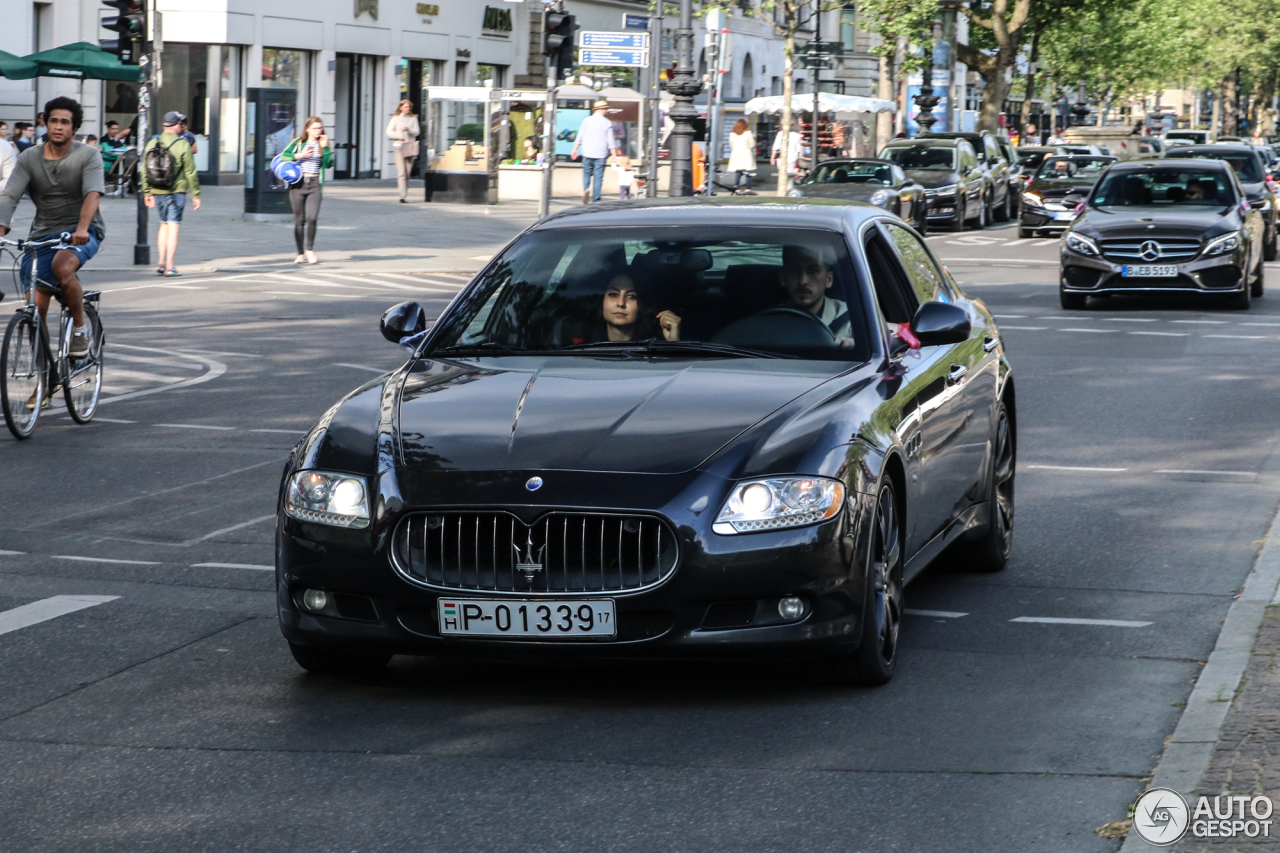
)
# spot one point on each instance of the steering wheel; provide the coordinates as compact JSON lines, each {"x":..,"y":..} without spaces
{"x":780,"y":326}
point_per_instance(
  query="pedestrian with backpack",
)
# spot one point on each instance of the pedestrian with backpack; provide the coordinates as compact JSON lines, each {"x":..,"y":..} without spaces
{"x":168,"y":175}
{"x":313,"y":153}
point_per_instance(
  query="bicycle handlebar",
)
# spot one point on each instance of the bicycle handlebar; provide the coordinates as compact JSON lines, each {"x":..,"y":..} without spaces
{"x":59,"y":242}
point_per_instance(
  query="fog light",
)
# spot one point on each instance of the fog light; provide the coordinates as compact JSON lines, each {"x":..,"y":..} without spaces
{"x":315,"y":599}
{"x":789,"y":608}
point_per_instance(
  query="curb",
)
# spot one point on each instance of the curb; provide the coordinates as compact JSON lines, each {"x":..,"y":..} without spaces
{"x":1190,"y":748}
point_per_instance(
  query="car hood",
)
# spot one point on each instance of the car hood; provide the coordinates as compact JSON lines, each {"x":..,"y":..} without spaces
{"x":590,"y":414}
{"x":859,"y":192}
{"x":1057,"y":189}
{"x":1191,"y":223}
{"x":929,"y":178}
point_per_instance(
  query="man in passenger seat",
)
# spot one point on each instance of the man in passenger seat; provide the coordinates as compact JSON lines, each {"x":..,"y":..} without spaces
{"x":806,"y":276}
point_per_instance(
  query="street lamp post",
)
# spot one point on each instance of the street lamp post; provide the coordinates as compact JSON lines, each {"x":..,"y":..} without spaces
{"x":926,"y":100}
{"x":683,"y":86}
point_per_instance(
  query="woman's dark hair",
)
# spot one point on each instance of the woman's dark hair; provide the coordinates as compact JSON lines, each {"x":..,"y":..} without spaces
{"x":65,"y":103}
{"x":741,"y":126}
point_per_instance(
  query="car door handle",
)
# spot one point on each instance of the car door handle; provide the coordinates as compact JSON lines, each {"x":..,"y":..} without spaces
{"x":957,"y":374}
{"x":989,"y":343}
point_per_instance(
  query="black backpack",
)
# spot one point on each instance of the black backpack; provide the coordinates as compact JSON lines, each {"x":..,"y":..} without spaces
{"x":161,"y":166}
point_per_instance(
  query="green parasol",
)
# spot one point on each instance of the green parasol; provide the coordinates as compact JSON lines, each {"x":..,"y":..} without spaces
{"x":82,"y":61}
{"x":15,"y":67}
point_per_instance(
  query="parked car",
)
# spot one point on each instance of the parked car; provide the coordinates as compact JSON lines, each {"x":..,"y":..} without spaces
{"x":1252,"y":170}
{"x":879,"y":182}
{"x":1061,"y":184}
{"x":1001,"y":182}
{"x":1176,"y":226}
{"x":955,"y":185}
{"x":820,"y":413}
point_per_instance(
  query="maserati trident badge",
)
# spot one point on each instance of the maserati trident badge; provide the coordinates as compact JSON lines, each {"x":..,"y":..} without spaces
{"x":530,"y":562}
{"x":533,"y":484}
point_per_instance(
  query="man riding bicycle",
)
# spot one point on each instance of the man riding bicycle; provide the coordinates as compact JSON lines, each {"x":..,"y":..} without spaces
{"x":64,"y":180}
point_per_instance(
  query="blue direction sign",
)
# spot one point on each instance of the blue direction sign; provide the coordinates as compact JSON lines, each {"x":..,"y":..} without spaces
{"x":613,"y":41}
{"x":622,"y":58}
{"x":634,"y":22}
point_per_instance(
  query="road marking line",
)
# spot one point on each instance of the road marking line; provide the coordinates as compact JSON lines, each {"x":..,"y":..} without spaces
{"x":1260,"y":324}
{"x":216,"y":369}
{"x":1094,"y":331}
{"x":1193,"y":471}
{"x":161,"y":362}
{"x":370,"y":280}
{"x":289,"y":431}
{"x":1009,"y":316}
{"x":112,"y":420}
{"x":360,"y":367}
{"x":941,"y":614}
{"x":334,"y":284}
{"x":1201,"y":322}
{"x":1161,"y":334}
{"x":1049,"y":242}
{"x":1127,"y":320}
{"x":140,"y":375}
{"x":12,"y":553}
{"x":285,"y":293}
{"x":1025,"y":328}
{"x":194,"y":426}
{"x":231,"y":529}
{"x":233,"y":566}
{"x":1053,"y":620}
{"x":1073,"y":468}
{"x":48,"y":608}
{"x":1018,"y":242}
{"x":212,"y":352}
{"x":103,"y":560}
{"x":480,"y":258}
{"x":1239,"y":337}
{"x":181,"y":287}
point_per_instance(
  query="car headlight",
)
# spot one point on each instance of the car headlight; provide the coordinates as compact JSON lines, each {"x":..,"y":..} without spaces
{"x":950,"y":189}
{"x":879,"y":197}
{"x":1031,"y":199}
{"x":1081,"y":244}
{"x":794,"y":193}
{"x":1222,"y":245}
{"x":337,"y":499}
{"x":777,"y":503}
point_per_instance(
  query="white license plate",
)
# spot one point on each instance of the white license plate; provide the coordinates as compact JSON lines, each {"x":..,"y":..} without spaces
{"x":1149,"y":271}
{"x":1065,"y":215}
{"x":470,"y":617}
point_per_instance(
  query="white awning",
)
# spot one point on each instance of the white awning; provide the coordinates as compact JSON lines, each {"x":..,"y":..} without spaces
{"x":841,"y":105}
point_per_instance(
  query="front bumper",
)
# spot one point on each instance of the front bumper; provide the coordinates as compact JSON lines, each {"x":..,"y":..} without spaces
{"x":1215,"y":275}
{"x":1041,"y":219}
{"x":702,"y":610}
{"x":942,"y":208}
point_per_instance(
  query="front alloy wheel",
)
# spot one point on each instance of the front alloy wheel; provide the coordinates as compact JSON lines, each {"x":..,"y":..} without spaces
{"x":877,"y":655}
{"x":991,"y":552}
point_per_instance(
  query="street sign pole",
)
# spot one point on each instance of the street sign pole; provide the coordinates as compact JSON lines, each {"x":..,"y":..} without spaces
{"x":548,"y":142}
{"x":713,"y":62}
{"x":655,"y":95}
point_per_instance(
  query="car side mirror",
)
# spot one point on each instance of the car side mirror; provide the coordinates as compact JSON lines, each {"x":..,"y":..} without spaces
{"x":403,"y":321}
{"x":966,"y":170}
{"x":938,"y":323}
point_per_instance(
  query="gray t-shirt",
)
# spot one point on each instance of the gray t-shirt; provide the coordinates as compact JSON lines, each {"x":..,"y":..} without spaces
{"x":57,"y":188}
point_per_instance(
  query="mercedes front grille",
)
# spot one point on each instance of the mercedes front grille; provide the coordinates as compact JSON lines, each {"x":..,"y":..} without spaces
{"x":1130,"y":250}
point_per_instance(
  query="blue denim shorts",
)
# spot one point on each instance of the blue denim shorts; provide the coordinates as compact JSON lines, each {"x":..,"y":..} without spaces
{"x":170,"y":206}
{"x":44,"y":258}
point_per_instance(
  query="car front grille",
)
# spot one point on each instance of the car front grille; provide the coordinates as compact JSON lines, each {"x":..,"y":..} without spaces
{"x":1129,"y":250}
{"x":561,"y":552}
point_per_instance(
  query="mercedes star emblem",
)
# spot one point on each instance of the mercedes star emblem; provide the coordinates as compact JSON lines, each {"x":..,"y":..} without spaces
{"x":1150,"y":250}
{"x":533,"y":484}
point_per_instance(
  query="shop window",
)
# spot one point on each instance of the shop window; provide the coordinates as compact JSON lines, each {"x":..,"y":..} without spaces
{"x":230,"y":108}
{"x":186,"y":90}
{"x":289,"y":69}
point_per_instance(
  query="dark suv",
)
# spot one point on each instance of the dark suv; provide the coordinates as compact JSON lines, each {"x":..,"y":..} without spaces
{"x":1252,"y":171}
{"x":1000,"y":195}
{"x":955,"y":186}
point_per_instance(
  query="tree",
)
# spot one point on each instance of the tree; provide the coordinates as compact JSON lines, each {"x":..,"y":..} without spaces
{"x":895,"y":20}
{"x":1004,"y":24}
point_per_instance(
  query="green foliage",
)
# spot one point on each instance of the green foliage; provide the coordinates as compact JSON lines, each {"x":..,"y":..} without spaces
{"x":894,"y":19}
{"x":470,"y":133}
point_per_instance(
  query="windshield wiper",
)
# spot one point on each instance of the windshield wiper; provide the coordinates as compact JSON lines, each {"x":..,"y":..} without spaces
{"x":480,"y":347}
{"x":653,"y":346}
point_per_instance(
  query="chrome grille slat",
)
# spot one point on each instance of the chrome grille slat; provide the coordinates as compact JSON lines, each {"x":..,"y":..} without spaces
{"x":1130,"y":249}
{"x":638,"y":555}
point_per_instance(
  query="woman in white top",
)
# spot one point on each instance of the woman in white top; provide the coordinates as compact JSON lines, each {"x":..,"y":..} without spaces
{"x":742,"y":153}
{"x":403,"y":129}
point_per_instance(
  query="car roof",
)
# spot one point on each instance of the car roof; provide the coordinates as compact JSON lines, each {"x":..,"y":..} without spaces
{"x":1034,"y":148}
{"x":943,"y":142}
{"x":1163,"y":163}
{"x":765,"y":211}
{"x":1084,"y":157}
{"x":953,"y":134}
{"x":1215,"y":148}
{"x":856,"y":160}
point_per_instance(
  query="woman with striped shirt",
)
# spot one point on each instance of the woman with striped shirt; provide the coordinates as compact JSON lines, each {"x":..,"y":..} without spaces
{"x":313,"y":153}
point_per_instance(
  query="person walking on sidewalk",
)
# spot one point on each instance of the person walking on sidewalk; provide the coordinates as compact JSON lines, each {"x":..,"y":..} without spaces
{"x":742,"y":154}
{"x":404,"y":130}
{"x":313,"y":153}
{"x":597,"y":142}
{"x":168,"y":176}
{"x":8,"y":158}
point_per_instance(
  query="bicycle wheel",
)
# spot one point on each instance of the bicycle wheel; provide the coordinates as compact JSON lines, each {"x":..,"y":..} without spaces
{"x":22,"y":375}
{"x":82,"y":379}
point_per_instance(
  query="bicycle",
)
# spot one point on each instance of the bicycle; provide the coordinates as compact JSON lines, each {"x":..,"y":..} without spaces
{"x":26,"y":357}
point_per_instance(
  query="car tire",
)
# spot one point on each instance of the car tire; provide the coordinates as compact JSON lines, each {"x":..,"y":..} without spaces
{"x":1269,"y":248}
{"x":1002,"y":213}
{"x":340,"y":664}
{"x":1240,"y":300}
{"x":984,"y":206}
{"x":922,"y":221}
{"x":1026,"y":233}
{"x":877,"y":656}
{"x":957,"y":221}
{"x":1259,"y":281}
{"x":1072,"y":301}
{"x":991,"y":552}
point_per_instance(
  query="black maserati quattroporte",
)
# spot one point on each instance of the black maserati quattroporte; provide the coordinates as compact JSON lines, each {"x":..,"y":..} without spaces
{"x":1165,"y":226}
{"x":694,"y":429}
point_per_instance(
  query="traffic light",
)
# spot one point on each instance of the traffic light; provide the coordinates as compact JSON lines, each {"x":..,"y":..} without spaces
{"x":131,"y":24}
{"x":557,"y":41}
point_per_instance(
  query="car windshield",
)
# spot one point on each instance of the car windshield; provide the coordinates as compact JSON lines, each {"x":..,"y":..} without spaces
{"x":1161,"y":187}
{"x":921,"y":157}
{"x":1031,"y":159}
{"x":1072,"y":168}
{"x":1246,"y":165}
{"x":644,"y":291}
{"x":852,"y":173}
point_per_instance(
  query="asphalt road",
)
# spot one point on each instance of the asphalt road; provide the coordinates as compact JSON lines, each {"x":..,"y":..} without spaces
{"x":171,"y":717}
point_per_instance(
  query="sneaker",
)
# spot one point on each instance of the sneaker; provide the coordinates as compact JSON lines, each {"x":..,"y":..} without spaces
{"x":586,"y":196}
{"x":79,"y":345}
{"x":45,"y":404}
{"x":160,"y":270}
{"x":171,"y":272}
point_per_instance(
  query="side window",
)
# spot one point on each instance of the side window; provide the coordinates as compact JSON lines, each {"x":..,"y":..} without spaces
{"x":893,"y":292}
{"x":898,"y":177}
{"x":968,"y":158}
{"x":925,"y":278}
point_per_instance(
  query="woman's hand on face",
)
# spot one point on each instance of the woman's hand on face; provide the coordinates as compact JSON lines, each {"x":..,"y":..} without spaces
{"x":670,"y":323}
{"x":324,"y":140}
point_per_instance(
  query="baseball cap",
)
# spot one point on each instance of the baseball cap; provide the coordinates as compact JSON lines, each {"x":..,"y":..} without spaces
{"x":173,"y":117}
